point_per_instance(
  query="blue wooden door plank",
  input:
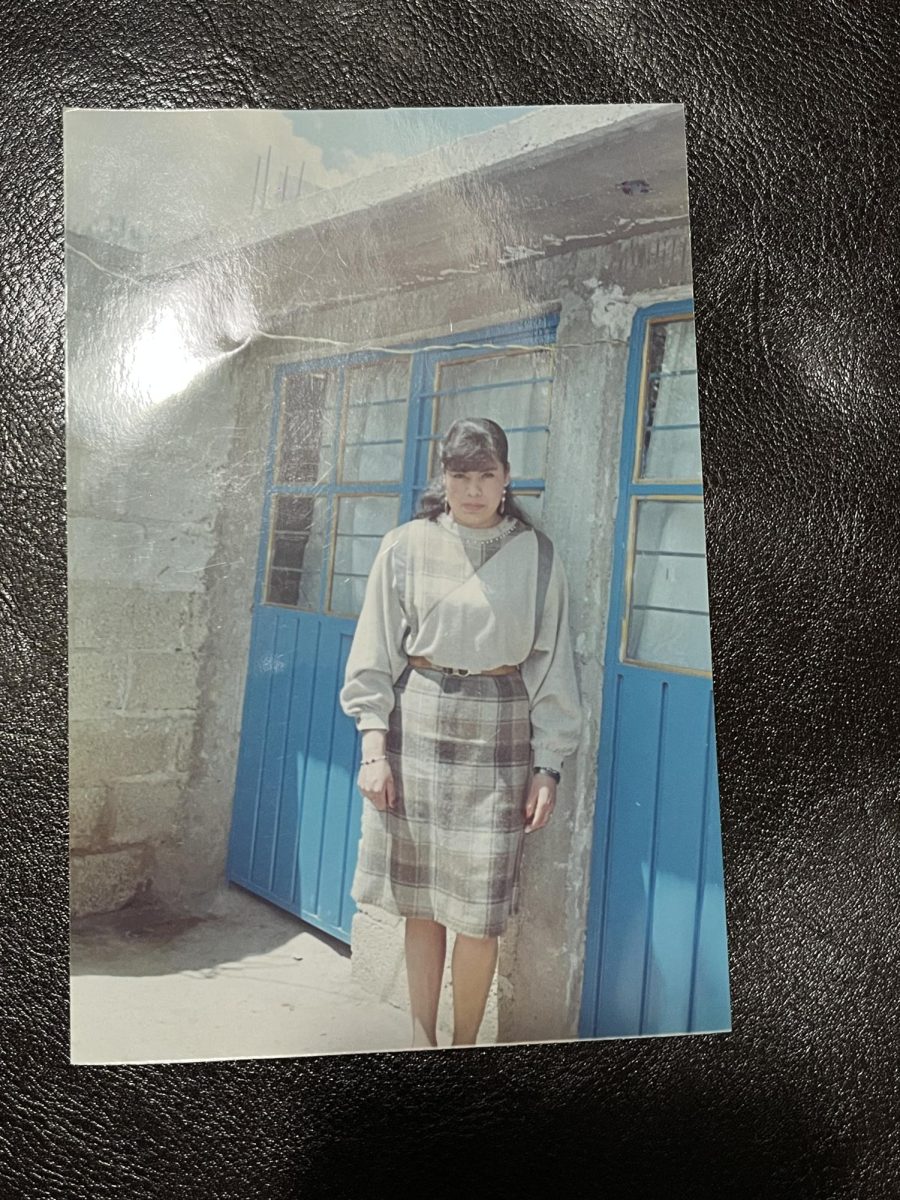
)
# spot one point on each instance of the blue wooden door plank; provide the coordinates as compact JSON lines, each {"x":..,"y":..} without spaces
{"x":604,"y":842}
{"x":251,"y":758}
{"x":711,"y":1001}
{"x":341,"y":776}
{"x":627,"y":916}
{"x":680,"y":834}
{"x":285,"y":871}
{"x":274,"y":749}
{"x":315,"y":814}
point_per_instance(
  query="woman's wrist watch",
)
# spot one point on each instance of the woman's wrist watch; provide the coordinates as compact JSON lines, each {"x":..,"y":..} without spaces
{"x":548,"y":771}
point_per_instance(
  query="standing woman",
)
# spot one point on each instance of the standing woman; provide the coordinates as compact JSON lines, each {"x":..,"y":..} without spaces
{"x":461,"y":680}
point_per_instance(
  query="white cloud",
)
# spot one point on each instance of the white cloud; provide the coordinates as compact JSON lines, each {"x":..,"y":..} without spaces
{"x":148,"y":177}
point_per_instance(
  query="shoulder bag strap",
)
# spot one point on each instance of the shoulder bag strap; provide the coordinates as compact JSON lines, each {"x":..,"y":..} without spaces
{"x":545,"y":566}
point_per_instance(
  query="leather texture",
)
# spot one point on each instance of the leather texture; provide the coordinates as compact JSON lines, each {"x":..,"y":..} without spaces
{"x":793,"y":147}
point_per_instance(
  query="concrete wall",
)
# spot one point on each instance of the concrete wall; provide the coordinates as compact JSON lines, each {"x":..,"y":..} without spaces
{"x":144,"y":476}
{"x":164,"y":527}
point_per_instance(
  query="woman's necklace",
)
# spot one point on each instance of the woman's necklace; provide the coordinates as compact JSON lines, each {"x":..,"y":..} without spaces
{"x":475,"y":534}
{"x":502,"y":534}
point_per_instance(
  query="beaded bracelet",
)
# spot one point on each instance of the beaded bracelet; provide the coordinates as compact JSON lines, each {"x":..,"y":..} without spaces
{"x":367,"y":762}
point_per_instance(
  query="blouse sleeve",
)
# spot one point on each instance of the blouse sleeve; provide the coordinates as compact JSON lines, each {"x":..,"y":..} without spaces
{"x":549,"y":677}
{"x":376,"y":658}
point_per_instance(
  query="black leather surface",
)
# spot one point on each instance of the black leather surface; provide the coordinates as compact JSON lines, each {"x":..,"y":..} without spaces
{"x":792,"y":153}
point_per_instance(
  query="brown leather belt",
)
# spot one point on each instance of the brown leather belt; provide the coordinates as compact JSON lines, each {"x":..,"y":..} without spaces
{"x":426,"y":665}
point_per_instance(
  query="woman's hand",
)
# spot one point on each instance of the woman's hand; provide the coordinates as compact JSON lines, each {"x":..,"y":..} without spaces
{"x":376,"y":782}
{"x":540,"y":803}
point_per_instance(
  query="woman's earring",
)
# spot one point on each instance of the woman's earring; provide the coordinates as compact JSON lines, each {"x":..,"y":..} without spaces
{"x":446,"y":506}
{"x":503,"y":503}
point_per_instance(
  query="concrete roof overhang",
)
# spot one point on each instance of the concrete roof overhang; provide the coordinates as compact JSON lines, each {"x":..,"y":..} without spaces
{"x":540,"y":186}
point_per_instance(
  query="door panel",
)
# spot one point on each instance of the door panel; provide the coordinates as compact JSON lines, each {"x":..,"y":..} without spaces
{"x":656,"y":958}
{"x":350,"y":452}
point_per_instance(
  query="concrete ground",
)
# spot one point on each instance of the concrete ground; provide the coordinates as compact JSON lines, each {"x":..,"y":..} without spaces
{"x":249,"y":981}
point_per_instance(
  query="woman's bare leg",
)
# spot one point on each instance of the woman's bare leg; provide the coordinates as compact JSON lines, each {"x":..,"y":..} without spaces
{"x":473,"y":964}
{"x":426,"y":950}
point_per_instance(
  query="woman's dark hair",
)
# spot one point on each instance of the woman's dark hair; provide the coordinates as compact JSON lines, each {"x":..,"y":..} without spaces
{"x":470,"y":444}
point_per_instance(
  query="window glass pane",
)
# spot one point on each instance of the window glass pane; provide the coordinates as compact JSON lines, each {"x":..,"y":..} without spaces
{"x":676,"y":401}
{"x":375,"y":429}
{"x":670,"y":398}
{"x":306,"y":428}
{"x":510,"y":392}
{"x":670,"y":581}
{"x":347,"y":595}
{"x":374,"y":383}
{"x":668,"y":619}
{"x":381,"y":462}
{"x":672,"y":454}
{"x":297,"y":549}
{"x":532,"y":504}
{"x":527,"y":455}
{"x":355,"y":553}
{"x":673,"y":525}
{"x":673,"y":346}
{"x":511,"y":367}
{"x":671,"y":640}
{"x":362,"y":521}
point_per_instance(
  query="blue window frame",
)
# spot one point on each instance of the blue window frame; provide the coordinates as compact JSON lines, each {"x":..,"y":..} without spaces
{"x":352,"y":447}
{"x":665,"y":617}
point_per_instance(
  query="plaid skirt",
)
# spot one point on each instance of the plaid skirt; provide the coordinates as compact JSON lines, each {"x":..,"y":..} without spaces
{"x":459,"y":748}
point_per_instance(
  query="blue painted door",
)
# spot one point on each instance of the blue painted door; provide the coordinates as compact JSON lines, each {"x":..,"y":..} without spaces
{"x":656,"y":956}
{"x":351,"y":446}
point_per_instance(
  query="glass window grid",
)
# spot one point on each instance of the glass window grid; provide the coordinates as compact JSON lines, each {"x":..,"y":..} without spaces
{"x":521,"y":485}
{"x":651,"y":489}
{"x":632,"y":554}
{"x":329,"y":560}
{"x":346,"y":406}
{"x":535,"y":334}
{"x":322,"y":379}
{"x":330,"y":488}
{"x":272,"y":541}
{"x":643,"y":406}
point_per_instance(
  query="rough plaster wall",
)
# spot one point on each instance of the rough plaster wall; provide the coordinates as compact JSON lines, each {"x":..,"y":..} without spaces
{"x":245,"y":396}
{"x":540,"y":958}
{"x":142,"y":494}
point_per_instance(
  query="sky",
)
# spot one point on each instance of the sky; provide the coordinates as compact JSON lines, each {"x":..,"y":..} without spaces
{"x":146,"y":178}
{"x":345,"y":135}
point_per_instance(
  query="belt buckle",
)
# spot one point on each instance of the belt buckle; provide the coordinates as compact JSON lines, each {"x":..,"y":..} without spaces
{"x":459,"y":671}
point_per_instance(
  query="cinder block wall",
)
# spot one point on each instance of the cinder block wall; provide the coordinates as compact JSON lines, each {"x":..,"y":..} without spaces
{"x":133,"y":663}
{"x":138,"y":548}
{"x":146,"y":442}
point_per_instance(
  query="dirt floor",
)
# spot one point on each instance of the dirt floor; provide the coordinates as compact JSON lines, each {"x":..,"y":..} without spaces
{"x":250,"y":981}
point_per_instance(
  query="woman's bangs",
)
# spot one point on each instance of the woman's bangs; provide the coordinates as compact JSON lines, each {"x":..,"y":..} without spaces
{"x":475,"y":459}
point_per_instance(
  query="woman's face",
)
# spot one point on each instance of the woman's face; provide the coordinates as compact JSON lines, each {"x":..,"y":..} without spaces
{"x":474,"y":496}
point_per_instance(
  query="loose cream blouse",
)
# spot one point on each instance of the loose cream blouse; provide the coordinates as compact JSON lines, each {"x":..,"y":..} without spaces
{"x":468,"y":600}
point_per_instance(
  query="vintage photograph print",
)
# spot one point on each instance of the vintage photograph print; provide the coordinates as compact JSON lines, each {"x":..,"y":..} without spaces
{"x":391,"y":709}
